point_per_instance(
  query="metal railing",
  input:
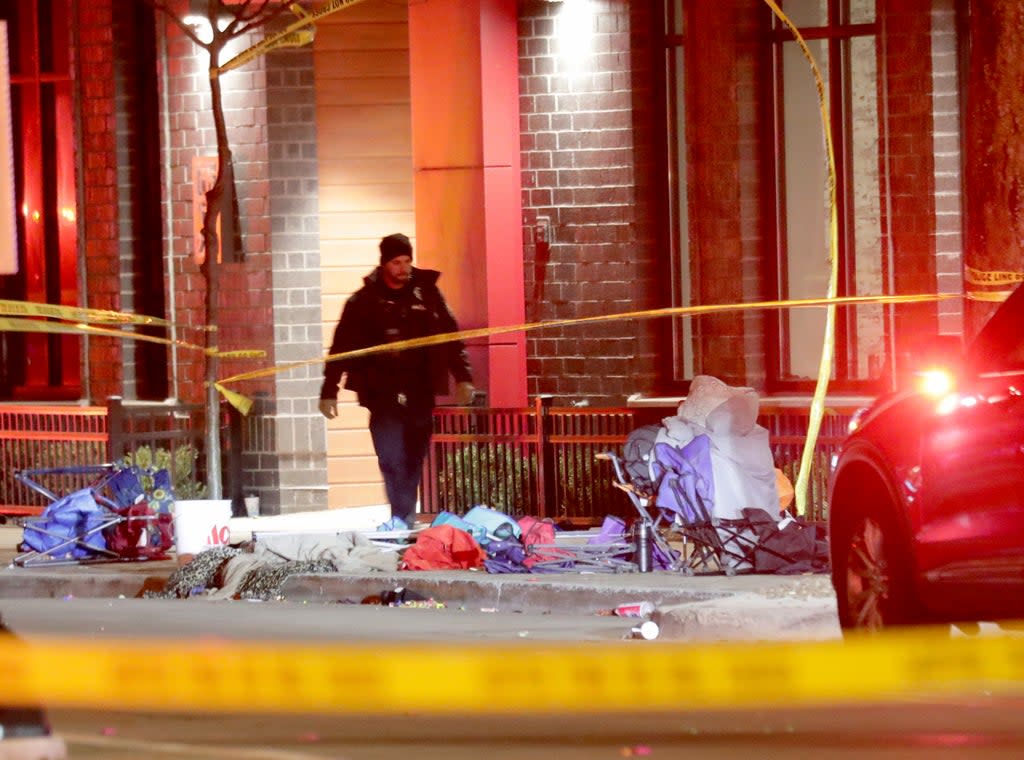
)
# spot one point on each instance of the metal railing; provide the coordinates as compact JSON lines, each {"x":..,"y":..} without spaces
{"x":54,"y":436}
{"x":537,"y":460}
{"x":36,"y":436}
{"x":158,"y":425}
{"x":541,"y":460}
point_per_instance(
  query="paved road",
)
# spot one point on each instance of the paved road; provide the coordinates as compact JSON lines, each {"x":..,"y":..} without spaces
{"x":978,"y":725}
{"x":975,"y":728}
{"x":287,"y":621}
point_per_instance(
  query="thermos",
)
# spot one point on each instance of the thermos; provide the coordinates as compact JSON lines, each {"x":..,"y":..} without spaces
{"x":643,"y":530}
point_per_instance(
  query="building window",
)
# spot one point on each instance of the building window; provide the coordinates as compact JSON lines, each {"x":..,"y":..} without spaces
{"x":36,"y":365}
{"x":841,"y":35}
{"x":768,"y":141}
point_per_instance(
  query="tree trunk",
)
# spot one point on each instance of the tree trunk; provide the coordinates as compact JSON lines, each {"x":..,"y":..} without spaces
{"x":216,"y":247}
{"x":994,"y":171}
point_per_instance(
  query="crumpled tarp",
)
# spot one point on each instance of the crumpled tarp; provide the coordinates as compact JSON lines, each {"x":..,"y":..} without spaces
{"x":442,"y":547}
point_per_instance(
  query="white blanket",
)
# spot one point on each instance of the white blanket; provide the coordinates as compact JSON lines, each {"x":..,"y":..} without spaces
{"x":741,"y":458}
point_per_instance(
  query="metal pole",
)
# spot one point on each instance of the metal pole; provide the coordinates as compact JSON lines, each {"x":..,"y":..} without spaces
{"x":213,"y":481}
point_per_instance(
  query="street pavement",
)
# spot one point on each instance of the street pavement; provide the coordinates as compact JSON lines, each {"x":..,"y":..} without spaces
{"x":707,"y":607}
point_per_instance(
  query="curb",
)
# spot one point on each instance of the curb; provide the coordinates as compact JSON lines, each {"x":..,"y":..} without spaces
{"x":82,"y":581}
{"x":61,"y":586}
{"x":503,"y":593}
{"x":750,"y":617}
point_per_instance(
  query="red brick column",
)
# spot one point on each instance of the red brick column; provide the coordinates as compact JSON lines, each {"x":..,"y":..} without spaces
{"x":911,"y":171}
{"x":98,"y":209}
{"x":724,"y":187}
{"x":246,"y":295}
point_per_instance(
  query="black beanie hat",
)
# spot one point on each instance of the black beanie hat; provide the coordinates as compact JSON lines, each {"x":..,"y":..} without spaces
{"x":394,"y":245}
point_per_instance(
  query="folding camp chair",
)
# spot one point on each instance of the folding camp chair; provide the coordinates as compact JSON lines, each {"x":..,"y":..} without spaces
{"x":685,"y":492}
{"x":583,"y":558}
{"x":633,"y":476}
{"x":673,"y":488}
{"x":108,"y":520}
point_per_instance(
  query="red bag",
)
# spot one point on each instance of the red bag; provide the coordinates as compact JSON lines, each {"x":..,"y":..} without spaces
{"x":143,"y":534}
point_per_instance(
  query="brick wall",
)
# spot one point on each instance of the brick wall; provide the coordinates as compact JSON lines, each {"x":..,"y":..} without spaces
{"x":98,"y":204}
{"x":299,"y":451}
{"x":245,"y":318}
{"x":911,"y":170}
{"x":246,"y":303}
{"x":587,"y":156}
{"x":125,"y":78}
{"x":190,"y":134}
{"x":946,"y":140}
{"x":725,"y":196}
{"x":139,"y":216}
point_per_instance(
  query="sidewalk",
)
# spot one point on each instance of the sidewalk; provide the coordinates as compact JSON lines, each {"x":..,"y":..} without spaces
{"x":704,"y":607}
{"x":692,"y":608}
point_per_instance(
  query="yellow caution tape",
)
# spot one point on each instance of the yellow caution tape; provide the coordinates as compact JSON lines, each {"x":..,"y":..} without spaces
{"x":993,"y":278}
{"x":502,"y":679}
{"x":37,"y":326}
{"x":817,"y":408}
{"x":77,"y":323}
{"x":996,"y":296}
{"x":983,"y":277}
{"x":84,"y":315}
{"x":76,"y":313}
{"x":244,"y":354}
{"x":483,"y":332}
{"x":242,"y":403}
{"x":285,"y":37}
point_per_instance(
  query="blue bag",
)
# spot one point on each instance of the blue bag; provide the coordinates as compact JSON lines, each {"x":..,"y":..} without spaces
{"x":449,"y":518}
{"x":496,"y":525}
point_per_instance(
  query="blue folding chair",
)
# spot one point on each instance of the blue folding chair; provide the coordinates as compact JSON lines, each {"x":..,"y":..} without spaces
{"x":109,"y":520}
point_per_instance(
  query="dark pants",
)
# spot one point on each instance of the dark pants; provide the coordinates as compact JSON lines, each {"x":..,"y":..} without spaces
{"x":401,"y":436}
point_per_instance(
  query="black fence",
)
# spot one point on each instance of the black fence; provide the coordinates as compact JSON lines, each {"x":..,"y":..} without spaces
{"x":541,"y":460}
{"x":538,"y":460}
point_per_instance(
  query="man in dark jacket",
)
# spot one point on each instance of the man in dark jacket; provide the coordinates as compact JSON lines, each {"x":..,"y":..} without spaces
{"x":397,"y":302}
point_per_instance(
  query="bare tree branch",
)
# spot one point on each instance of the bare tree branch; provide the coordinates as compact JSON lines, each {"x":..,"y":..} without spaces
{"x":164,"y":8}
{"x":242,"y":15}
{"x":262,"y":18}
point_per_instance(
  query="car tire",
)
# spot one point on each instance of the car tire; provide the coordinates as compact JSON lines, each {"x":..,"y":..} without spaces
{"x":871,"y":571}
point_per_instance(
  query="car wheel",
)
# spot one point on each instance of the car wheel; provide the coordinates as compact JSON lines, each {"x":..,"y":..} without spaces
{"x":871,"y":576}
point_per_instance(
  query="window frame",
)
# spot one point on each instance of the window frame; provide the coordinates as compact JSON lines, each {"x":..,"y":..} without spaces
{"x":836,"y":33}
{"x":42,"y":366}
